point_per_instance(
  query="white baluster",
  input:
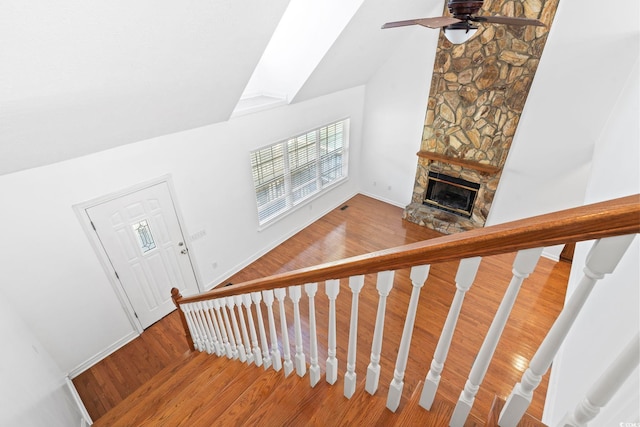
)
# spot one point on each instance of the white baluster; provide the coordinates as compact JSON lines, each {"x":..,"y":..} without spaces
{"x":523,"y":265}
{"x":198,"y":342}
{"x":256,"y":297}
{"x":275,"y":352}
{"x":418,"y":277}
{"x":242,"y":354}
{"x":383,"y":285}
{"x":280,"y":294}
{"x":224,"y":327}
{"x":243,"y":328}
{"x":208,"y":332}
{"x":355,"y":284}
{"x":602,"y":259}
{"x":227,"y":322}
{"x":211,"y":333}
{"x":216,"y":327}
{"x":195,"y":337}
{"x":606,"y":386}
{"x":314,"y":367}
{"x":295,"y":293}
{"x":204,"y":341}
{"x":201,"y":330}
{"x":332,"y":288}
{"x":257,"y":355}
{"x":464,"y":279}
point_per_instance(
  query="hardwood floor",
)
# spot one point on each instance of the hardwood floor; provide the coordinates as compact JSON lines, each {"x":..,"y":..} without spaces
{"x":367,"y":225}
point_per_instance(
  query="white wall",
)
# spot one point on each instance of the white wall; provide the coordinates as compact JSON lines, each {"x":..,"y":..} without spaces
{"x":52,"y":275}
{"x":610,"y":317}
{"x":32,"y":390}
{"x":395,"y":108}
{"x":578,"y":80}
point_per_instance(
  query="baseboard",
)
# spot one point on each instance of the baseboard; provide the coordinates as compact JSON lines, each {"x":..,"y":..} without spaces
{"x":233,"y":270}
{"x":101,"y":355}
{"x":382,"y":199}
{"x":86,"y":418}
{"x":553,"y":252}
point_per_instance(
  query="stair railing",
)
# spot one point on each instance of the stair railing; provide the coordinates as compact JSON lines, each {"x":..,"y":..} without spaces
{"x":206,"y":316}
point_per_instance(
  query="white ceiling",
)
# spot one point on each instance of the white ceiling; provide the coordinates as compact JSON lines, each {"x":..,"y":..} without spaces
{"x":81,"y":76}
{"x":78,"y":77}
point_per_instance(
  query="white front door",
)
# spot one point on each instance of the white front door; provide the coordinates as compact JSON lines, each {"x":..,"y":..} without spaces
{"x":143,"y":240}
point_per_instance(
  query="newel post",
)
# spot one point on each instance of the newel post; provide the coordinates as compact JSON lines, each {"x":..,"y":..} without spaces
{"x":176,"y":297}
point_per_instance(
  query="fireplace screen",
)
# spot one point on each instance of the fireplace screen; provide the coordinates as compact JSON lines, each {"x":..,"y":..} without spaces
{"x":451,"y":194}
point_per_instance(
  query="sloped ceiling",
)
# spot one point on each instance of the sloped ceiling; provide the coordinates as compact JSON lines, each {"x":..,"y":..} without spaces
{"x":78,"y":77}
{"x":83,"y":76}
{"x":363,"y":47}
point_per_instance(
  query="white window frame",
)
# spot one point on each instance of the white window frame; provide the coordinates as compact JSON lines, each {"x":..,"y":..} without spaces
{"x":291,"y":203}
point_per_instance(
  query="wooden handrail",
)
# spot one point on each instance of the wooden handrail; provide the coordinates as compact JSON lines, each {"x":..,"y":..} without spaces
{"x":611,"y":218}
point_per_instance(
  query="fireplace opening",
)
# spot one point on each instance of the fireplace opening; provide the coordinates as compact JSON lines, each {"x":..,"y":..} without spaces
{"x":455,"y":195}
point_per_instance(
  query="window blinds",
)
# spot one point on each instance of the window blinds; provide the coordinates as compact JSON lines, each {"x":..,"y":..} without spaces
{"x":289,"y":172}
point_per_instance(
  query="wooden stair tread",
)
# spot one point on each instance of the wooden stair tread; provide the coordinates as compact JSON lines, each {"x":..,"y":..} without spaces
{"x":159,"y":385}
{"x":174,"y":391}
{"x":526,"y":421}
{"x":254,"y":392}
{"x":310,"y":412}
{"x":203,"y":390}
{"x":439,"y":414}
{"x":362,"y":408}
{"x":281,"y":403}
{"x":209,"y":393}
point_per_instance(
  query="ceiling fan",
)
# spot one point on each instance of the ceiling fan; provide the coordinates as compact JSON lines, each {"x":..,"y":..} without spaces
{"x":459,"y":27}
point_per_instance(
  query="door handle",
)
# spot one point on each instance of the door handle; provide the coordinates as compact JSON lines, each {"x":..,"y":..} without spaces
{"x":184,"y":251}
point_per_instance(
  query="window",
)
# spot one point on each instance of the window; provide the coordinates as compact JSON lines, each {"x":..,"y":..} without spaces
{"x":145,"y":238}
{"x":289,"y":172}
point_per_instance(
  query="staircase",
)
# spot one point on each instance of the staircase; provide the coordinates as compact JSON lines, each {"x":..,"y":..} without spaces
{"x":243,"y":372}
{"x":199,"y":390}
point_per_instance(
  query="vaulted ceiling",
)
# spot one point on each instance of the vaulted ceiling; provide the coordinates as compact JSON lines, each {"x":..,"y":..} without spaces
{"x":78,"y":77}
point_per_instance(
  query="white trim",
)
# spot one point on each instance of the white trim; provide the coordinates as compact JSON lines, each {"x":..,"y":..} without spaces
{"x":80,"y":210}
{"x":185,"y":232}
{"x":102,"y":354}
{"x":270,"y":100}
{"x":85,"y":223}
{"x":288,"y":193}
{"x":238,"y":267}
{"x":383,"y":199}
{"x":551,"y":256}
{"x":86,"y":418}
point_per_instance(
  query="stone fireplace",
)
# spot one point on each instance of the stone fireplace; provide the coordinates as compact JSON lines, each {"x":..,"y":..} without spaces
{"x":480,"y":181}
{"x":478,"y":91}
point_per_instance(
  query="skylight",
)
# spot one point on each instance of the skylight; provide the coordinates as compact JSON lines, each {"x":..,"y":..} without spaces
{"x":307,"y":30}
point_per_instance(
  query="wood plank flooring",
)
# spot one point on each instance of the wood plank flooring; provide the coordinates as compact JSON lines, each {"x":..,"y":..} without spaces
{"x":367,"y":225}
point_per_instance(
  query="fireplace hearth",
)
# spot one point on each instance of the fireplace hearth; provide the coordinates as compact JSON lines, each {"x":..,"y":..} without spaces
{"x":450,"y":194}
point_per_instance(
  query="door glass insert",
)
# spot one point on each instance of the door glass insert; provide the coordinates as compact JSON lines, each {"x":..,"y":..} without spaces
{"x":145,"y":238}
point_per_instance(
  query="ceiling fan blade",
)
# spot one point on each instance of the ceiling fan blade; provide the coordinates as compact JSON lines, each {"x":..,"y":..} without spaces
{"x":438,"y":22}
{"x":506,"y":20}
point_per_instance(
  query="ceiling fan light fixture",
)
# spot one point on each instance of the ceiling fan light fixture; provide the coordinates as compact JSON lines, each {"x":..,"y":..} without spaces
{"x":460,"y":32}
